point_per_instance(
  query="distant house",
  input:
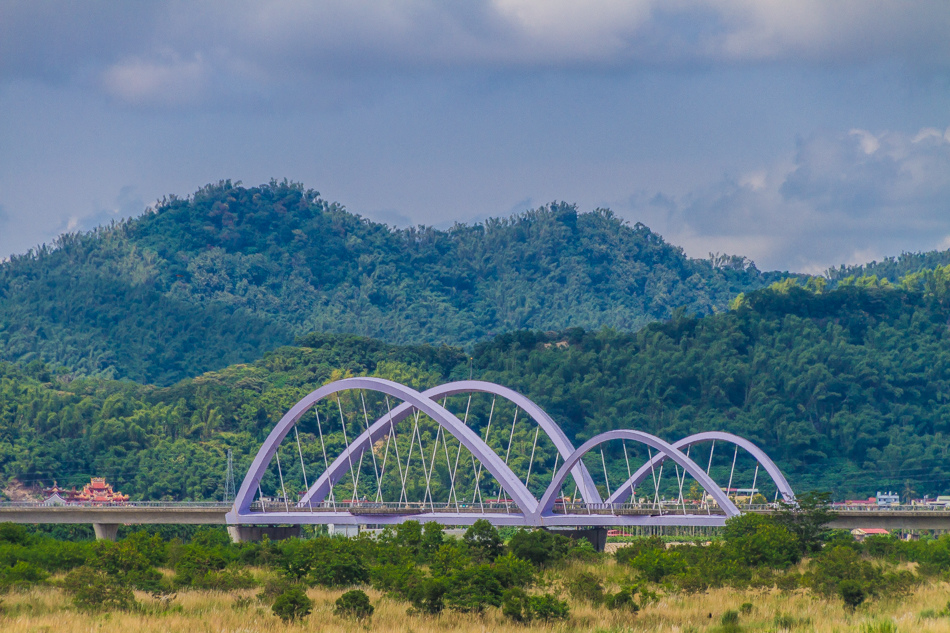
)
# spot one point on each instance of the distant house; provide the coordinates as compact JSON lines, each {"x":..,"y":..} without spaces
{"x":942,"y":501}
{"x":888,"y":498}
{"x":860,"y":534}
{"x":96,"y":492}
{"x":54,"y":500}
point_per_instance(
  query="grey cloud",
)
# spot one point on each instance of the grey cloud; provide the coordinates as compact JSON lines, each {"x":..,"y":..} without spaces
{"x":175,"y":53}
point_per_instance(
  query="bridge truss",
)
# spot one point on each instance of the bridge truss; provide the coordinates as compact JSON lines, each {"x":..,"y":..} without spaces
{"x":373,"y":451}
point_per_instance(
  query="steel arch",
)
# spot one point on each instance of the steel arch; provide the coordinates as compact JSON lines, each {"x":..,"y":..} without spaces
{"x":622,"y":493}
{"x":363,"y":442}
{"x":511,"y":484}
{"x":545,"y":506}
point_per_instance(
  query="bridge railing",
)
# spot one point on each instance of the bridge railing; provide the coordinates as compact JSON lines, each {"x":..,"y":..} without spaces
{"x":122,"y":504}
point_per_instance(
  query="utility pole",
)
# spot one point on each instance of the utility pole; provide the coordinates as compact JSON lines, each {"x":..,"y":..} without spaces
{"x":229,"y":491}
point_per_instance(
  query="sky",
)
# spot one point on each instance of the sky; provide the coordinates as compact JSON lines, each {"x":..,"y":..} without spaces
{"x":802,"y":134}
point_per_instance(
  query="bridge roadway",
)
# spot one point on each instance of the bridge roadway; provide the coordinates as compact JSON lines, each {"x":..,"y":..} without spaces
{"x":107,"y":518}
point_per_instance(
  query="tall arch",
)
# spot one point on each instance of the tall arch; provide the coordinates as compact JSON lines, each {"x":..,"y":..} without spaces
{"x":546,"y":505}
{"x":320,"y":488}
{"x":622,"y":493}
{"x":493,"y":464}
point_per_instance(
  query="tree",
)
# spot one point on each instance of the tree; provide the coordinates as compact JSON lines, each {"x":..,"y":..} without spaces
{"x":483,"y":541}
{"x":292,"y":604}
{"x":354,"y":604}
{"x":93,"y":590}
{"x":539,"y":546}
{"x":808,"y":518}
{"x":852,"y":593}
{"x":520,"y":607}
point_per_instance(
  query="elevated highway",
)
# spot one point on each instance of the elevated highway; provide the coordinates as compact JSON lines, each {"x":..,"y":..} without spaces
{"x":106,"y":518}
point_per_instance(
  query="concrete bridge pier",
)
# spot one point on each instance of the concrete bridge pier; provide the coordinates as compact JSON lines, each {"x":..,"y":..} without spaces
{"x":105,"y":531}
{"x":249,"y":533}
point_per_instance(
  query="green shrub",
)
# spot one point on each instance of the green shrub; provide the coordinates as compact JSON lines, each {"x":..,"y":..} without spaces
{"x":729,"y":622}
{"x":427,"y":595}
{"x":756,"y":540}
{"x":784,"y":622}
{"x":623,"y":599}
{"x":630,"y":551}
{"x":515,"y":605}
{"x":881,"y":626}
{"x":483,"y":541}
{"x":520,"y":607}
{"x":22,"y":574}
{"x":353,"y":604}
{"x":586,"y":587}
{"x":852,"y":593}
{"x":788,"y":582}
{"x":547,"y":607}
{"x":93,"y":590}
{"x":472,"y":589}
{"x":657,"y":564}
{"x":292,"y":604}
{"x":746,"y":608}
{"x":514,"y":572}
{"x":539,"y":547}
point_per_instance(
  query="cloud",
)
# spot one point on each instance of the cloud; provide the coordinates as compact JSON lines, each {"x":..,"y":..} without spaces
{"x":168,"y":52}
{"x":844,"y":198}
{"x":171,"y":81}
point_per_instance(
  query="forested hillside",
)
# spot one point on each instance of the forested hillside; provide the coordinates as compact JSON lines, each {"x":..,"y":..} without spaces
{"x":231,"y":272}
{"x":848,"y":389}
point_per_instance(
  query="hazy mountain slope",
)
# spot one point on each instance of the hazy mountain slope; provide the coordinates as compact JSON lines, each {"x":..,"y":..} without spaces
{"x":230,"y":272}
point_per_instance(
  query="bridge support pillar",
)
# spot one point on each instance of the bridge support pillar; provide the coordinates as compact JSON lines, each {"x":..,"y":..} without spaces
{"x":248,"y":533}
{"x":105,"y":531}
{"x":595,"y":535}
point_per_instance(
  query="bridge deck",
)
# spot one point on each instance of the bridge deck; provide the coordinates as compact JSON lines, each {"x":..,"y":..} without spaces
{"x":898,"y":517}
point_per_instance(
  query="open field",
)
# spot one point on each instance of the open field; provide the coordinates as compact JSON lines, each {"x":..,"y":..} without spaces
{"x":46,"y":609}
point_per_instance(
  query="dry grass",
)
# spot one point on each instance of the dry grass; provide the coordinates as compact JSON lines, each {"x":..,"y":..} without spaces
{"x":48,"y":610}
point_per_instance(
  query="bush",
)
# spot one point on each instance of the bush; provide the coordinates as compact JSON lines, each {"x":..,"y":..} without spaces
{"x":513,"y":572}
{"x":22,"y":574}
{"x":586,"y":587}
{"x":757,"y":540}
{"x":483,"y":541}
{"x":93,"y":590}
{"x":729,"y":621}
{"x":746,"y":608}
{"x":520,"y":607}
{"x":354,"y":604}
{"x":656,"y":564}
{"x":784,"y":622}
{"x":427,"y":595}
{"x":472,"y":589}
{"x":623,"y":599}
{"x":852,"y":593}
{"x":292,"y":604}
{"x":539,"y":546}
{"x":630,"y":551}
{"x":546,"y":607}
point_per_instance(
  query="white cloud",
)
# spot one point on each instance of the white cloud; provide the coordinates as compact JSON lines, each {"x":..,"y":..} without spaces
{"x":171,"y":81}
{"x":848,"y":198}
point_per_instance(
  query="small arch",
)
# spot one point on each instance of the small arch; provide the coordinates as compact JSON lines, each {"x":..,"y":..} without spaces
{"x":512,"y":484}
{"x":546,"y":504}
{"x":321,"y":487}
{"x":622,"y":493}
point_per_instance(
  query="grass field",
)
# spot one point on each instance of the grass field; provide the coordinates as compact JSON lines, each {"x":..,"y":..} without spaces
{"x":47,"y":609}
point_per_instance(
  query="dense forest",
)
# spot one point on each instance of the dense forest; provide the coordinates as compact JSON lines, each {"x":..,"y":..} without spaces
{"x":847,"y":389}
{"x":222,"y":276}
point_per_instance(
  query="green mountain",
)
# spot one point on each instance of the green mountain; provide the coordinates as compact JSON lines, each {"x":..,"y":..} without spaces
{"x":848,"y":389}
{"x":221,"y":277}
